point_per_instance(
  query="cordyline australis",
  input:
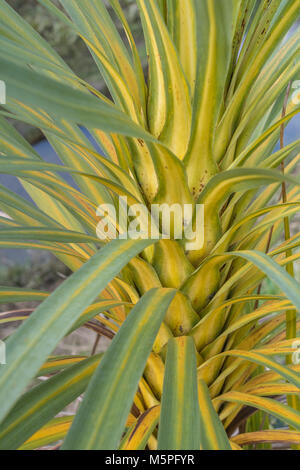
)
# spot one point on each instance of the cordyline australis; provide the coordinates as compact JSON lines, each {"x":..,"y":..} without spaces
{"x":201,"y":356}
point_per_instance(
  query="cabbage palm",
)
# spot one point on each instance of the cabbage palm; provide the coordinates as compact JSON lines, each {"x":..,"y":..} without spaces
{"x":202,"y":349}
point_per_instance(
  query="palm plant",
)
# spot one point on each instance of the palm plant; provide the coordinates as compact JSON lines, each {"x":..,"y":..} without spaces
{"x":201,"y":351}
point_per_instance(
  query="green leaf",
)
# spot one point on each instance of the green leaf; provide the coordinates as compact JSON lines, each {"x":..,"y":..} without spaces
{"x":37,"y":90}
{"x":52,"y":432}
{"x":264,"y":262}
{"x":45,"y":234}
{"x":275,"y":272}
{"x":101,"y":418}
{"x":29,"y":346}
{"x":215,"y":29}
{"x":180,"y":419}
{"x":40,"y":404}
{"x":15,"y":294}
{"x":213,"y":435}
{"x":270,"y":406}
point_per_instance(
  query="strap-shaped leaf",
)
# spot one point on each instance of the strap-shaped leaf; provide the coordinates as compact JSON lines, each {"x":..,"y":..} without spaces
{"x":275,"y":408}
{"x":22,"y":210}
{"x":45,"y":234}
{"x":94,"y":24}
{"x":289,"y":15}
{"x":262,"y":261}
{"x":277,"y":435}
{"x":213,"y":434}
{"x":141,"y":432}
{"x":101,"y":418}
{"x":40,"y":246}
{"x":36,"y":89}
{"x":215,"y":29}
{"x":275,"y":272}
{"x":43,"y":402}
{"x":15,"y":294}
{"x":52,"y":432}
{"x":169,"y":107}
{"x":182,"y":25}
{"x":56,"y":364}
{"x":260,"y":359}
{"x":179,"y":427}
{"x":222,"y":186}
{"x":37,"y":337}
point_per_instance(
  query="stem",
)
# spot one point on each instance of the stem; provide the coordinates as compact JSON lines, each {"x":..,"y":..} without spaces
{"x":95,"y":344}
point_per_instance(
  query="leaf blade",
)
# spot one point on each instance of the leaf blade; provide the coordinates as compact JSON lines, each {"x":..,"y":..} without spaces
{"x":36,"y":338}
{"x":179,"y":426}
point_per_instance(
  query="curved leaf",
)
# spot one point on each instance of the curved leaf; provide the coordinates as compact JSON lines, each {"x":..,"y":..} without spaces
{"x":101,"y":418}
{"x":29,"y":346}
{"x":40,"y":404}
